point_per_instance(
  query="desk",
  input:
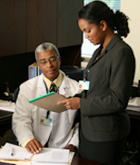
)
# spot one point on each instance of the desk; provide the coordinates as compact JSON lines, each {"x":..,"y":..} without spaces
{"x":134,"y":136}
{"x":81,"y":161}
{"x":76,"y":161}
{"x":5,"y":121}
{"x":135,"y":124}
{"x":134,"y":114}
{"x":5,"y":116}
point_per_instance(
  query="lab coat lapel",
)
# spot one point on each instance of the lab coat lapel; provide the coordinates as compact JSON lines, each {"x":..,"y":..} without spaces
{"x":64,"y":86}
{"x":41,"y":88}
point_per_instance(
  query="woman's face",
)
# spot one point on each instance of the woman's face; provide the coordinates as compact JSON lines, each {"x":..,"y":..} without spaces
{"x":95,"y":34}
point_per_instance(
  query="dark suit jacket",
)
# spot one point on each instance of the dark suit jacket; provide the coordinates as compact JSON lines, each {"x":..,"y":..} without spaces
{"x":103,"y":114}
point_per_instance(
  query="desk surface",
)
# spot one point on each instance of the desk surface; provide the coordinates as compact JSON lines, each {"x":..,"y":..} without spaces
{"x":5,"y":121}
{"x":76,"y":161}
{"x":5,"y":117}
{"x":134,"y":114}
{"x":5,"y":114}
{"x":81,"y":161}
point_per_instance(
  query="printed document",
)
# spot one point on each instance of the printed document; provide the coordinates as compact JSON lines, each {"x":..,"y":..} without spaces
{"x":52,"y":155}
{"x":14,"y":152}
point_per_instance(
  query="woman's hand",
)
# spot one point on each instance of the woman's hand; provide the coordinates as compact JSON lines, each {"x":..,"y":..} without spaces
{"x":71,"y":147}
{"x":34,"y":146}
{"x":71,"y":103}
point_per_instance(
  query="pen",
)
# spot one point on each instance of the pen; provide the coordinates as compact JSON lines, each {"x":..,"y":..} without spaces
{"x":12,"y":153}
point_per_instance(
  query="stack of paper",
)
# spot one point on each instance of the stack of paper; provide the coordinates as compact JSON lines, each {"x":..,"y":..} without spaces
{"x":7,"y":105}
{"x":134,"y":104}
{"x":53,"y":157}
{"x":50,"y":156}
{"x":13,"y":152}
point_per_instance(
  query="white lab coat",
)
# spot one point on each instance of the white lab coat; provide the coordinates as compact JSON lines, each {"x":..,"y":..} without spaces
{"x":26,"y":118}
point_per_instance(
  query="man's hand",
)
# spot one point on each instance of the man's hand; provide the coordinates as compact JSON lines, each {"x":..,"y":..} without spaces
{"x":34,"y":146}
{"x":71,"y":148}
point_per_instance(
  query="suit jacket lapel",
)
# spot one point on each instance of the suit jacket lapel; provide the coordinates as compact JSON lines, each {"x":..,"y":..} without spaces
{"x":109,"y":46}
{"x":93,"y":59}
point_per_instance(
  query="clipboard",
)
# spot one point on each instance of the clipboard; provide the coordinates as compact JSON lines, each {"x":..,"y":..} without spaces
{"x":49,"y":102}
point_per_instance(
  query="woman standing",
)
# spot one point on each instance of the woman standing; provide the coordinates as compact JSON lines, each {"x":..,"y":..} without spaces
{"x":110,"y":73}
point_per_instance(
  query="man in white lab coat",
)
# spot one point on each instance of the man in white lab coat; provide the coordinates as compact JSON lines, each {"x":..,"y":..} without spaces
{"x":59,"y":132}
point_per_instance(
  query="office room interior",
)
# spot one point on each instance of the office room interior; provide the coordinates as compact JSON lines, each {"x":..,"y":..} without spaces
{"x":21,"y":32}
{"x":23,"y":27}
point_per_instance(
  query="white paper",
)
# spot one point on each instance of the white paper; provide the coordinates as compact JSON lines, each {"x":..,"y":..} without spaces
{"x":56,"y":163}
{"x":40,"y":163}
{"x":134,"y":102}
{"x":19,"y":153}
{"x":7,"y":105}
{"x":133,"y":108}
{"x":52,"y":155}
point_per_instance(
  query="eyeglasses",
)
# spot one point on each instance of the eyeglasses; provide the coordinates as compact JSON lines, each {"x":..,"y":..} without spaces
{"x":50,"y":60}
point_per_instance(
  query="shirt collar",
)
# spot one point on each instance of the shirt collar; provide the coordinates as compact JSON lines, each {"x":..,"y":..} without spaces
{"x":57,"y":81}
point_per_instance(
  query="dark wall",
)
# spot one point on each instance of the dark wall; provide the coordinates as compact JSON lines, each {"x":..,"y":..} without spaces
{"x":14,"y":69}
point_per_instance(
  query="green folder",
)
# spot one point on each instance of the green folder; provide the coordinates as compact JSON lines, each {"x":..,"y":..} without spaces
{"x":40,"y":97}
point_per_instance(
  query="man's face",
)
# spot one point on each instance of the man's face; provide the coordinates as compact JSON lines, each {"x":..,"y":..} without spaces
{"x":49,"y":64}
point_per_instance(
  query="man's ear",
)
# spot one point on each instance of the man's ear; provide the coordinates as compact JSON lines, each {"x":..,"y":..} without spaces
{"x":37,"y":64}
{"x":103,"y":25}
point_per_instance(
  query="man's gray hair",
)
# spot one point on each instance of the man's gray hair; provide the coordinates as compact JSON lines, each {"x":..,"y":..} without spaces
{"x":45,"y":47}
